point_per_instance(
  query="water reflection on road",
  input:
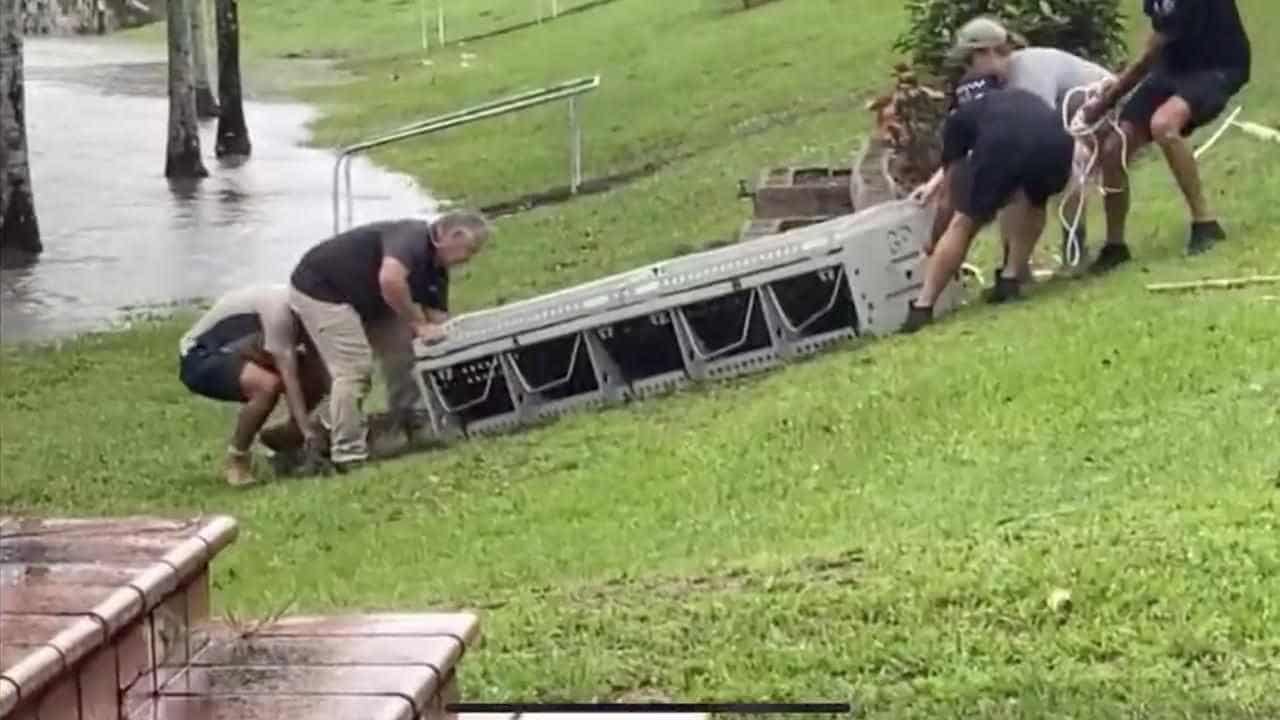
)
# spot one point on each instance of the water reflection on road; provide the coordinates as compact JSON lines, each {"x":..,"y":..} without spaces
{"x":119,"y":236}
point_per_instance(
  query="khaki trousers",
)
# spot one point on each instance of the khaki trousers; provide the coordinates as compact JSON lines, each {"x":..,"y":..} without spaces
{"x":348,"y":346}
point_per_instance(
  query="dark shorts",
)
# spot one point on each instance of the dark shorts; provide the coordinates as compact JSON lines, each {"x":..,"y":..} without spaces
{"x":1206,"y":91}
{"x":986,"y":181}
{"x":213,"y":373}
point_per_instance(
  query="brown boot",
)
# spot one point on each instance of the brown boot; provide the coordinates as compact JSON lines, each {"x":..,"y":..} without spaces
{"x":239,"y":471}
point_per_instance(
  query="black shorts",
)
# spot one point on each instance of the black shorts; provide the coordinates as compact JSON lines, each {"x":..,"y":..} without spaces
{"x":1206,"y":91}
{"x":986,"y":181}
{"x":213,"y":373}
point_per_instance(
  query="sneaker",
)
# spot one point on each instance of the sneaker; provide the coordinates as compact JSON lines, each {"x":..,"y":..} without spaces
{"x":1204,"y":235}
{"x":1110,"y":257}
{"x":917,"y":318}
{"x":239,"y":471}
{"x":1026,"y":275}
{"x":1005,"y":290}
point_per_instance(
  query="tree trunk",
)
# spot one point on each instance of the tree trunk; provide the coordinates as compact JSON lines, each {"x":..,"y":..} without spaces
{"x":233,"y":135}
{"x":206,"y":104}
{"x":182,"y":157}
{"x":19,"y":231}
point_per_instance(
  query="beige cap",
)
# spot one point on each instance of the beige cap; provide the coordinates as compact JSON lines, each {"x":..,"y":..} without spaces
{"x":980,"y":33}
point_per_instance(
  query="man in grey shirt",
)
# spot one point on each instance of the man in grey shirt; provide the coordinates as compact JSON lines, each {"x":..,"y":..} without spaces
{"x":984,"y":45}
{"x":369,"y":292}
{"x":245,"y":349}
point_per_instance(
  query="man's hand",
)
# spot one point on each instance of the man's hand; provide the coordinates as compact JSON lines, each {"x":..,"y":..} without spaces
{"x":928,"y":192}
{"x":925,"y":194}
{"x":429,"y":332}
{"x":1093,"y":110}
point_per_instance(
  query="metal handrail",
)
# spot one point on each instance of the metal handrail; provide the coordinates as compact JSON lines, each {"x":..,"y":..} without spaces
{"x":494,"y":108}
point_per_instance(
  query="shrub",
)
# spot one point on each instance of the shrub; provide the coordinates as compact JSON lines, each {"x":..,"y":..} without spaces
{"x":1094,"y":29}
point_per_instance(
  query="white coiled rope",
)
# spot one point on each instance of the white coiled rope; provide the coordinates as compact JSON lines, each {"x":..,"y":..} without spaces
{"x":1085,"y":136}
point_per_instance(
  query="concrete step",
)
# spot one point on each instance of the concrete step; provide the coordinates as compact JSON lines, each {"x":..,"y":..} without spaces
{"x":91,"y":607}
{"x":361,"y":667}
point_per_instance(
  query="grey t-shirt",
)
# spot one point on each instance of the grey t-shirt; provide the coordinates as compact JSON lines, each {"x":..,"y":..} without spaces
{"x":1049,"y":73}
{"x":244,"y":312}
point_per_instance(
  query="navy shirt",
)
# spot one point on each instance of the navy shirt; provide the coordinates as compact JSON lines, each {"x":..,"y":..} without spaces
{"x":344,"y":269}
{"x":1203,"y":35}
{"x":1006,"y":120}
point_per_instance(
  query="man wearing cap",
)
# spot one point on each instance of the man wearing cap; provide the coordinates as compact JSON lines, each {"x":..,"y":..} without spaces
{"x":371,"y":291}
{"x":1197,"y":58}
{"x":1018,"y":156}
{"x":984,"y":45}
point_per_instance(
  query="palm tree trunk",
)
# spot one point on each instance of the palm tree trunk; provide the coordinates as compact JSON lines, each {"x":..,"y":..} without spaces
{"x":182,"y":157}
{"x":233,"y":135}
{"x":19,"y":231}
{"x":206,"y":104}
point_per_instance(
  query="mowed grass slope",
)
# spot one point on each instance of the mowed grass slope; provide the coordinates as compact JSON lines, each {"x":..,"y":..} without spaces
{"x":884,"y":523}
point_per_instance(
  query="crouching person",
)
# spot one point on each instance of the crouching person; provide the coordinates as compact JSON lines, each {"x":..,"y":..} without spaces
{"x":1003,"y":149}
{"x":249,"y":348}
{"x":369,"y":292}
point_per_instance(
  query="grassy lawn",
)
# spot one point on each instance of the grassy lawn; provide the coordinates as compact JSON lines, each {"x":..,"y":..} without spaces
{"x":883,"y":523}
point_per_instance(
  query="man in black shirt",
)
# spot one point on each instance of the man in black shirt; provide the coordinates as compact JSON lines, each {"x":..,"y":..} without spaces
{"x":1197,"y":58}
{"x":372,"y":290}
{"x":1002,"y":149}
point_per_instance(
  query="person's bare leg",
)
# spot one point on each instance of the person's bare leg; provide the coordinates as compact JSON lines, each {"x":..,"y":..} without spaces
{"x":1117,"y":151}
{"x":1116,"y":179}
{"x":947,"y":257}
{"x":1166,"y":131}
{"x":1167,"y":126}
{"x":261,"y":388}
{"x":1008,"y":223}
{"x":286,"y":436}
{"x":1026,"y":224}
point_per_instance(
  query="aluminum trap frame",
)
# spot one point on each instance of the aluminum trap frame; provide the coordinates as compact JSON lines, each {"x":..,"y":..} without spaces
{"x":726,"y":312}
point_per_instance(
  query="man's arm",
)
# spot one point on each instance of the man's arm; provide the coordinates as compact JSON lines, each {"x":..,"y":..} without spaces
{"x":287,"y":365}
{"x":1131,"y":76}
{"x":279,"y":346}
{"x":393,"y":280}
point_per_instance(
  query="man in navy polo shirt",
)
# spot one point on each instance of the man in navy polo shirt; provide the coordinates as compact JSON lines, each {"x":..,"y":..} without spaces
{"x":1197,"y":58}
{"x":1004,"y":152}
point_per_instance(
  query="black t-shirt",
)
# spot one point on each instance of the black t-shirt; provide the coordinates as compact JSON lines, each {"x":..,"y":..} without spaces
{"x":1203,"y":35}
{"x":1006,"y":120}
{"x":344,"y":268}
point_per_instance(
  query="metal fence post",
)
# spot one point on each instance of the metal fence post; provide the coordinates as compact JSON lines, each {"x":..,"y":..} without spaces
{"x":440,"y":21}
{"x":575,"y":147}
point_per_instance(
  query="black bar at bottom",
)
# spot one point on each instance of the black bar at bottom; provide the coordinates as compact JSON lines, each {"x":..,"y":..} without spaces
{"x":674,"y":708}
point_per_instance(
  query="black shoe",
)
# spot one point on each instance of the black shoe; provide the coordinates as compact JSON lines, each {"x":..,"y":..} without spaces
{"x":917,"y":318}
{"x":1110,"y":257}
{"x":1204,"y":235}
{"x":1005,"y":290}
{"x":1082,"y":235}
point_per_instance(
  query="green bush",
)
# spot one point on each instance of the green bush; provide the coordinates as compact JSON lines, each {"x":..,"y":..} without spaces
{"x":1094,"y":29}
